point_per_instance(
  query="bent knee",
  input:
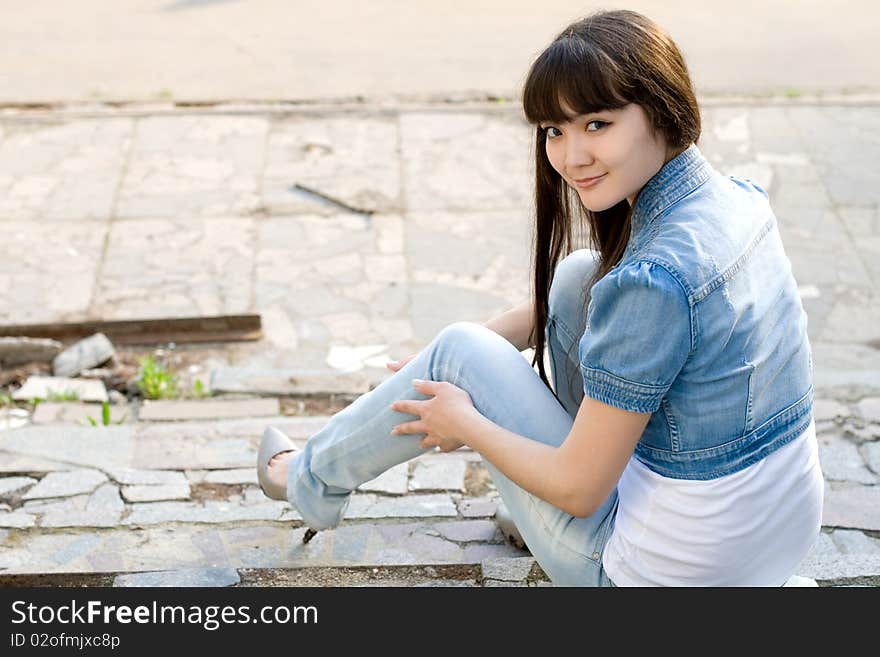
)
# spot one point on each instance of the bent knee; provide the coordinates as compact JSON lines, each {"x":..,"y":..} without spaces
{"x":571,"y":279}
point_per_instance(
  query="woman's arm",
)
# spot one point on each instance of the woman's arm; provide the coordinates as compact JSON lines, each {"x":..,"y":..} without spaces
{"x":578,"y":475}
{"x":515,"y":325}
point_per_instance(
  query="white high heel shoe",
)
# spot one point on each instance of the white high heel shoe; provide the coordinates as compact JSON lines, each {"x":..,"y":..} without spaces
{"x":272,"y":443}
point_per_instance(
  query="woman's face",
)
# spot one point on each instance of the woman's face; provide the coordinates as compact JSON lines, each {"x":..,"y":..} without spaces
{"x":605,"y":156}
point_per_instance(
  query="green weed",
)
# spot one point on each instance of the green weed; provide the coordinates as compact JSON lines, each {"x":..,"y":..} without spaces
{"x":155,"y":381}
{"x":105,"y":417}
{"x":68,"y":394}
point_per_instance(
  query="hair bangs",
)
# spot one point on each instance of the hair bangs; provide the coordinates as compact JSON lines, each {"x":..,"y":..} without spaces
{"x":575,"y":73}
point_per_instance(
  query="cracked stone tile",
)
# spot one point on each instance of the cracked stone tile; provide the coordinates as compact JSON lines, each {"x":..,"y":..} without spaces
{"x":12,"y":484}
{"x":441,"y":474}
{"x":62,"y":171}
{"x":103,"y":509}
{"x":44,"y":387}
{"x":851,"y":541}
{"x":132,"y":477}
{"x":193,"y":165}
{"x":514,"y":569}
{"x":829,"y":409}
{"x":409,"y":506}
{"x":851,"y":506}
{"x":213,"y":279}
{"x":188,"y":577}
{"x":66,"y":484}
{"x":869,"y":409}
{"x":17,"y":519}
{"x":153,"y":493}
{"x":179,"y":410}
{"x":841,"y":461}
{"x":451,"y":161}
{"x":478,"y":507}
{"x":152,"y":513}
{"x":352,"y":161}
{"x":391,"y":482}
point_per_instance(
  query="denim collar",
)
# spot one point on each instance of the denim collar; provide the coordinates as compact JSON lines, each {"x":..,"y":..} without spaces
{"x":677,"y":178}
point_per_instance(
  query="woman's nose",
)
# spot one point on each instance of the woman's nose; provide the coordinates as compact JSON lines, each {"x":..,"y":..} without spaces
{"x":577,"y":153}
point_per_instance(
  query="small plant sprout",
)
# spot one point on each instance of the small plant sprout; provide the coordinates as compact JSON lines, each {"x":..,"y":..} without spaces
{"x":155,"y":381}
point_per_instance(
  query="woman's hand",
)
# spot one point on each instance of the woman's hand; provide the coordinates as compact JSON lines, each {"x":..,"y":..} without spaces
{"x":444,"y":419}
{"x":397,"y":365}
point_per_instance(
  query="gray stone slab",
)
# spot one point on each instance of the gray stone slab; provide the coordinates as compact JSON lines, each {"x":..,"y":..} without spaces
{"x":514,"y":569}
{"x":234,"y":476}
{"x":103,"y":509}
{"x":17,"y":519}
{"x":36,"y":257}
{"x":829,"y":569}
{"x":62,"y":171}
{"x":409,"y":506}
{"x":841,"y":461}
{"x":440,"y":474}
{"x":13,"y":418}
{"x":353,"y":161}
{"x":76,"y":549}
{"x":152,"y":513}
{"x":18,"y":350}
{"x":477,"y":507}
{"x":12,"y":484}
{"x":77,"y":413}
{"x":134,"y":477}
{"x":829,"y":409}
{"x":851,"y":541}
{"x":174,"y":410}
{"x":84,"y":354}
{"x":66,"y":484}
{"x":286,"y":382}
{"x":221,"y":444}
{"x":452,"y":161}
{"x":194,"y":166}
{"x":214,"y":577}
{"x":852,"y":506}
{"x":43,"y":387}
{"x":436,"y":306}
{"x":849,"y":367}
{"x":869,"y":409}
{"x":213,"y":279}
{"x":58,"y":506}
{"x":148,"y":493}
{"x":497,"y":583}
{"x":824,"y":546}
{"x":391,"y":482}
{"x":871,"y":452}
{"x":466,"y":531}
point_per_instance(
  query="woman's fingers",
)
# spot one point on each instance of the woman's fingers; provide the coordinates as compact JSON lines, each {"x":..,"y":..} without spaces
{"x":409,"y":428}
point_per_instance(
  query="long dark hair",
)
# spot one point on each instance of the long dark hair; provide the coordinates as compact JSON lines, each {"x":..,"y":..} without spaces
{"x":602,"y":62}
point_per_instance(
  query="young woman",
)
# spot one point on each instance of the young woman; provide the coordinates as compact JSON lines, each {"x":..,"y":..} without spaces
{"x":676,"y":446}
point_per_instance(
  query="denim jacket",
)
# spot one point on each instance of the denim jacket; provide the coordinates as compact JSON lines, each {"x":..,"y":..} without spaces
{"x":701,"y":325}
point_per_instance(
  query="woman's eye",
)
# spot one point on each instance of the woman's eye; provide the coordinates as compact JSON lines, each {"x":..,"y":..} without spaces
{"x":594,"y":126}
{"x":551,"y":132}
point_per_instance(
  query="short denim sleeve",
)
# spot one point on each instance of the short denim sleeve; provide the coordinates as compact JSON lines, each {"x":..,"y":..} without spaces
{"x":637,"y":339}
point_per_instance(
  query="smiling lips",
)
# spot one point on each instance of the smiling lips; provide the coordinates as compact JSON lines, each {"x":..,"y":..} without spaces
{"x":584,"y":183}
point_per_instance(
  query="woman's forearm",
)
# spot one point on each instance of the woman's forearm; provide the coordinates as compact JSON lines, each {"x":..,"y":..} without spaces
{"x":530,"y":464}
{"x":515,"y":325}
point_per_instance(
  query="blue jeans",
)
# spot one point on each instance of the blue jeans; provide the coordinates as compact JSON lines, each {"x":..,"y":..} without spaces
{"x":356,"y":445}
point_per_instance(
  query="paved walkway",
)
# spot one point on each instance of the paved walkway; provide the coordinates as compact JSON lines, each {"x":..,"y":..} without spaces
{"x":357,"y":234}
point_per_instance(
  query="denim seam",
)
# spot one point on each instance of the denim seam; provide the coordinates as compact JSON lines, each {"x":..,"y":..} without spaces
{"x":728,"y":273}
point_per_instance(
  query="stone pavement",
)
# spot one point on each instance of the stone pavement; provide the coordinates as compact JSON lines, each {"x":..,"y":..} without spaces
{"x":358,"y":233}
